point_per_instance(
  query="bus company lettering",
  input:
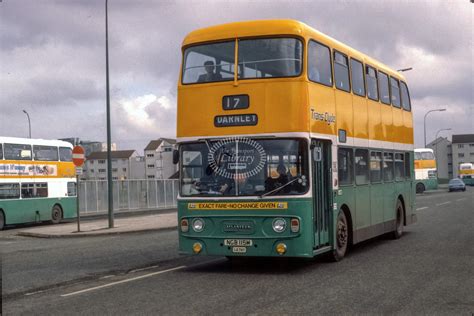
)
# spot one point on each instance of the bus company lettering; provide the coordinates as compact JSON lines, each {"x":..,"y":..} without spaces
{"x":238,"y":205}
{"x":329,"y":118}
{"x":28,"y":170}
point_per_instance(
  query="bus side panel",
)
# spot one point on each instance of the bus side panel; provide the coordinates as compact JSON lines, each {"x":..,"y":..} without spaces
{"x":398,"y":128}
{"x":361,"y":120}
{"x":321,"y":101}
{"x":389,"y":201}
{"x":346,"y":196}
{"x":387,"y":122}
{"x":36,"y":210}
{"x":377,"y":203}
{"x":408,"y":128}
{"x":375,"y":123}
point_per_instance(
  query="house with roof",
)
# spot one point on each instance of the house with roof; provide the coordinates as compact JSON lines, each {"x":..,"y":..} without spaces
{"x":159,"y":159}
{"x":126,"y":164}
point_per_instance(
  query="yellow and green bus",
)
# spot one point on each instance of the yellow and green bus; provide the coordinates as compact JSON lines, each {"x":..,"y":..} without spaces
{"x":291,"y":144}
{"x":426,"y":175}
{"x":37,"y":181}
{"x":466,"y":173}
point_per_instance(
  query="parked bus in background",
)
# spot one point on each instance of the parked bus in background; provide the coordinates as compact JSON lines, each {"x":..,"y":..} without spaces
{"x":290,"y":143}
{"x":426,"y":176}
{"x":37,"y":181}
{"x":466,"y":173}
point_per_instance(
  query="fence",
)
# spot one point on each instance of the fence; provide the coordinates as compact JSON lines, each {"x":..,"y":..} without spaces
{"x":128,"y":195}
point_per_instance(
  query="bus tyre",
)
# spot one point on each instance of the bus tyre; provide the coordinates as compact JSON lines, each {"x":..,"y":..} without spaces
{"x":342,"y":237}
{"x":56,"y":214}
{"x":2,"y":220}
{"x":420,"y":188}
{"x":398,"y":232}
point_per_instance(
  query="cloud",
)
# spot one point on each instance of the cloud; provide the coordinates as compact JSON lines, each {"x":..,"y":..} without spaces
{"x":52,"y":58}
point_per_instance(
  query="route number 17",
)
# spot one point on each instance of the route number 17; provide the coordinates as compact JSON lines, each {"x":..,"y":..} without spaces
{"x":235,"y":102}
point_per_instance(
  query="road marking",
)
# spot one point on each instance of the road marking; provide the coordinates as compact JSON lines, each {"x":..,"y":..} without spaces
{"x":122,"y":281}
{"x":443,"y":203}
{"x":422,"y":208}
{"x":143,"y":269}
{"x":461,"y":199}
{"x":33,"y":293}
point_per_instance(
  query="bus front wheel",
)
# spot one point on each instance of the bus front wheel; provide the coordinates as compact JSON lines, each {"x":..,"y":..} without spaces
{"x":342,"y":237}
{"x":420,"y":188}
{"x":56,"y":214}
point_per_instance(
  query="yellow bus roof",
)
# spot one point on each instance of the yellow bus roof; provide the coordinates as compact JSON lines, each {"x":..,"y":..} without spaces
{"x":279,"y":27}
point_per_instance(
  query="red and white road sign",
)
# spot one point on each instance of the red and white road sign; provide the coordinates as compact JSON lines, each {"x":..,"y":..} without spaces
{"x":78,"y":156}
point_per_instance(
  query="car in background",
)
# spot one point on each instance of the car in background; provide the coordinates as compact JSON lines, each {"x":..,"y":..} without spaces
{"x":456,"y":184}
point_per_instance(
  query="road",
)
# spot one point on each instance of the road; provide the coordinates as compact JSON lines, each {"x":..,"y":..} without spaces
{"x":429,"y":270}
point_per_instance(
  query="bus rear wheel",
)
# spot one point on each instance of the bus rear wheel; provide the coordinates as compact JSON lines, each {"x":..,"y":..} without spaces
{"x":398,"y":232}
{"x":420,"y":188}
{"x":2,"y":220}
{"x":342,"y":237}
{"x":56,"y":214}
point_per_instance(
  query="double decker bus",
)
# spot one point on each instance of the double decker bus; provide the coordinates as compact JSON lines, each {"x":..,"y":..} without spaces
{"x":466,"y":173}
{"x":37,"y":181}
{"x":426,"y":175}
{"x":291,"y":144}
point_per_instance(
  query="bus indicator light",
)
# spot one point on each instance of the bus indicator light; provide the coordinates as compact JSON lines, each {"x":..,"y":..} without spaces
{"x":197,"y":247}
{"x":184,"y":225}
{"x":281,"y":248}
{"x":295,"y":225}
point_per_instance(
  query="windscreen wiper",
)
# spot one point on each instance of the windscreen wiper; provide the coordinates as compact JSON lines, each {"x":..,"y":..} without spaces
{"x":279,"y":188}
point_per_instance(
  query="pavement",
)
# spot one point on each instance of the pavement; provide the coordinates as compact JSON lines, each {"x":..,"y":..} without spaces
{"x":100,"y":227}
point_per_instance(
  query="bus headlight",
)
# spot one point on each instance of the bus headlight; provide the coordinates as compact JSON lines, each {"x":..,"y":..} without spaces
{"x":198,"y":225}
{"x":279,"y":225}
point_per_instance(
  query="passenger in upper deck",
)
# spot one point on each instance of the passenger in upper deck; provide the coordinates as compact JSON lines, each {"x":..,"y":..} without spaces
{"x":210,"y":75}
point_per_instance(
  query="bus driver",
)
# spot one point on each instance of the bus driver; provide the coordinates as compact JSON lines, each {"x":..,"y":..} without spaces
{"x":210,"y":75}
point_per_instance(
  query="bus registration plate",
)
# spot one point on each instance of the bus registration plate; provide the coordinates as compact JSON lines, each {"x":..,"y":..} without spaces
{"x":239,"y":249}
{"x":238,"y":242}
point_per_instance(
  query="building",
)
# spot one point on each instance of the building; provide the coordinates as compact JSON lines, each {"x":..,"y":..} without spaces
{"x":126,"y":164}
{"x":463,"y":150}
{"x":444,"y":158}
{"x":89,"y":146}
{"x":159,"y":159}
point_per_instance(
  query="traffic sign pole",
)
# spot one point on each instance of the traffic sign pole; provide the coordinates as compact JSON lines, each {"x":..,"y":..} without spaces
{"x":78,"y":158}
{"x":78,"y":214}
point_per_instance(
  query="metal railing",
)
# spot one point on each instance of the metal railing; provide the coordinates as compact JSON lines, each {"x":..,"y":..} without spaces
{"x":128,"y":195}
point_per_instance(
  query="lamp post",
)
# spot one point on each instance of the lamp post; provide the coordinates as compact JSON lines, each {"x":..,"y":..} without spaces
{"x":436,"y":146}
{"x":29,"y":122}
{"x":424,"y":121}
{"x":404,"y":69}
{"x":109,"y":138}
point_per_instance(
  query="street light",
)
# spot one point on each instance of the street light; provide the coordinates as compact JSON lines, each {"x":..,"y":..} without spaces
{"x":29,"y":122}
{"x":424,"y":120}
{"x":109,"y":138}
{"x":405,"y":69}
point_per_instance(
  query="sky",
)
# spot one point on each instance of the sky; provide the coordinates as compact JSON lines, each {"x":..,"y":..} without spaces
{"x":52,"y":59}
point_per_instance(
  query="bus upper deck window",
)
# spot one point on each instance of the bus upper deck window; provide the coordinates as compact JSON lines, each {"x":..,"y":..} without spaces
{"x":395,"y":92}
{"x":209,"y":63}
{"x":269,"y":58}
{"x":341,"y":72}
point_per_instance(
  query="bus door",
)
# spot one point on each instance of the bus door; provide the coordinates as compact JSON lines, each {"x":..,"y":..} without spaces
{"x":322,"y":189}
